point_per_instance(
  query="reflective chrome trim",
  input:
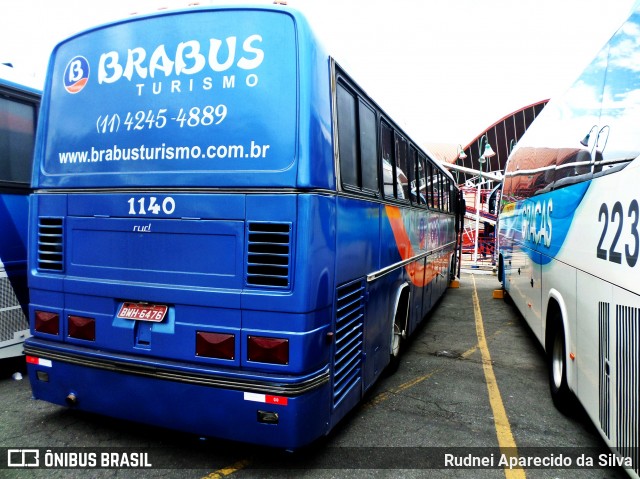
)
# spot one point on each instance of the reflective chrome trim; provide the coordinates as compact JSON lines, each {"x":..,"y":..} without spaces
{"x":381,"y":272}
{"x":157,"y":371}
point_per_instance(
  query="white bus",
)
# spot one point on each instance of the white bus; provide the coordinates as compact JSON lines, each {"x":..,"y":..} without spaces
{"x":569,"y":240}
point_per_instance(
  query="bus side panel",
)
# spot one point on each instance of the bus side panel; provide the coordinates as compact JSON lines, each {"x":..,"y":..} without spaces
{"x":357,"y":230}
{"x":357,"y":255}
{"x":518,"y":269}
{"x":427,"y":290}
{"x":14,"y":210}
{"x":607,"y":359}
{"x":315,"y":117}
{"x":417,"y":274}
{"x":378,"y":327}
{"x":593,"y":295}
{"x":13,"y":216}
{"x":566,"y":294}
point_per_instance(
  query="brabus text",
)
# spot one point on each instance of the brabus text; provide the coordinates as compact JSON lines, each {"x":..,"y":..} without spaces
{"x":187,"y":59}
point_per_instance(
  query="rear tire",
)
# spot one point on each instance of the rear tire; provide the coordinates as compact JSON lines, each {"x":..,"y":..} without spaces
{"x":396,"y":349}
{"x":400,"y":319}
{"x":563,"y":398}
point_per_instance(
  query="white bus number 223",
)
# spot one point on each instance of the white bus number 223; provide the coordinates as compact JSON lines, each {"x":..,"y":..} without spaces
{"x":145,"y":206}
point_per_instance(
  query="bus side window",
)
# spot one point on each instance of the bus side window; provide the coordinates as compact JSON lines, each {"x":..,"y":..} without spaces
{"x":421,"y":183}
{"x":447,"y":195}
{"x":356,"y":143}
{"x":510,"y":181}
{"x":411,"y":173}
{"x":529,"y":172}
{"x":17,"y":130}
{"x":572,"y":166}
{"x":368,"y":149}
{"x":347,"y":137}
{"x":429,"y":180}
{"x":437,"y":194}
{"x":388,"y":161}
{"x":402,"y":170}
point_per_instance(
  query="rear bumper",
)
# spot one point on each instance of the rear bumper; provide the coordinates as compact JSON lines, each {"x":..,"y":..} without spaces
{"x":182,"y":396}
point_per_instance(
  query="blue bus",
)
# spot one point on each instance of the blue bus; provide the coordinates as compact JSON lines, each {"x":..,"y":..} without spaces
{"x":18,"y":117}
{"x":228,"y":236}
{"x":569,"y":241}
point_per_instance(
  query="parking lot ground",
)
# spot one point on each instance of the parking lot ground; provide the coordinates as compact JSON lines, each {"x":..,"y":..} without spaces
{"x":471,"y":380}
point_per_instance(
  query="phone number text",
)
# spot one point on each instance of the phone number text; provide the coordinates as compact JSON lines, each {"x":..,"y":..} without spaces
{"x":148,"y":119}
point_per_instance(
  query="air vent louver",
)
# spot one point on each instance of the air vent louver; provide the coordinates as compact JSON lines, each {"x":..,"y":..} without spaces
{"x":627,"y":382}
{"x":269,"y":254}
{"x":348,"y":338}
{"x":50,"y":244}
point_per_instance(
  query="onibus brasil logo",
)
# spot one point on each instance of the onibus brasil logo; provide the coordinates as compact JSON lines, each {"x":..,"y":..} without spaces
{"x":76,"y":75}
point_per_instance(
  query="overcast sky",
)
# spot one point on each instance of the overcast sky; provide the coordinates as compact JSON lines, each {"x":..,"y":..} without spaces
{"x":445,"y":70}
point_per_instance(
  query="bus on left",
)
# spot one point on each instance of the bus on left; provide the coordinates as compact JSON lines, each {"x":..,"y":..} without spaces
{"x":18,"y":114}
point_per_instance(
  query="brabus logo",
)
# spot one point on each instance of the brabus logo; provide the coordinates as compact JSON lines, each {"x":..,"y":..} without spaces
{"x":187,"y":58}
{"x":76,"y":75}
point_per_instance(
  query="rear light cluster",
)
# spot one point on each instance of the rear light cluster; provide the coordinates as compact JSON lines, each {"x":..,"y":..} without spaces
{"x":268,"y":350}
{"x":215,"y":345}
{"x":259,"y":349}
{"x":46,"y":322}
{"x":78,"y":327}
{"x":82,"y":328}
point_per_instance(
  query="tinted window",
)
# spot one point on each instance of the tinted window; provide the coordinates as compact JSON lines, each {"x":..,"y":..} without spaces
{"x":445,"y":193}
{"x":421,"y":183}
{"x":388,"y":160}
{"x":347,"y":137}
{"x":436,"y":189}
{"x":402,"y":169}
{"x":17,"y":129}
{"x":368,"y":148}
{"x":430,"y":181}
{"x":411,"y":173}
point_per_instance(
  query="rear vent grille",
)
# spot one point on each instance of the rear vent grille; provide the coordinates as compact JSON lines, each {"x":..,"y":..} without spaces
{"x":604,"y":369}
{"x":349,"y":339}
{"x":628,"y":382}
{"x":50,"y":244}
{"x":269,"y":254}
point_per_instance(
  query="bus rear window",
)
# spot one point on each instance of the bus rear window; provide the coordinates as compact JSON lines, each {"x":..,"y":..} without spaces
{"x":180,"y":98}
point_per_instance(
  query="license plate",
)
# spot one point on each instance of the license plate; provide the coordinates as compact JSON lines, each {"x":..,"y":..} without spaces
{"x":143,"y":312}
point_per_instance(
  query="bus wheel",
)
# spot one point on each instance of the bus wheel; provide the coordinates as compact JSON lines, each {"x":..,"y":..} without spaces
{"x":398,"y":331}
{"x":563,"y":398}
{"x":396,"y":348}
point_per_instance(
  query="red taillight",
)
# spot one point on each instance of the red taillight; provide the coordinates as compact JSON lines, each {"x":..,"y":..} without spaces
{"x":215,"y":345}
{"x":268,"y":350}
{"x":47,"y":322}
{"x":82,"y":328}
